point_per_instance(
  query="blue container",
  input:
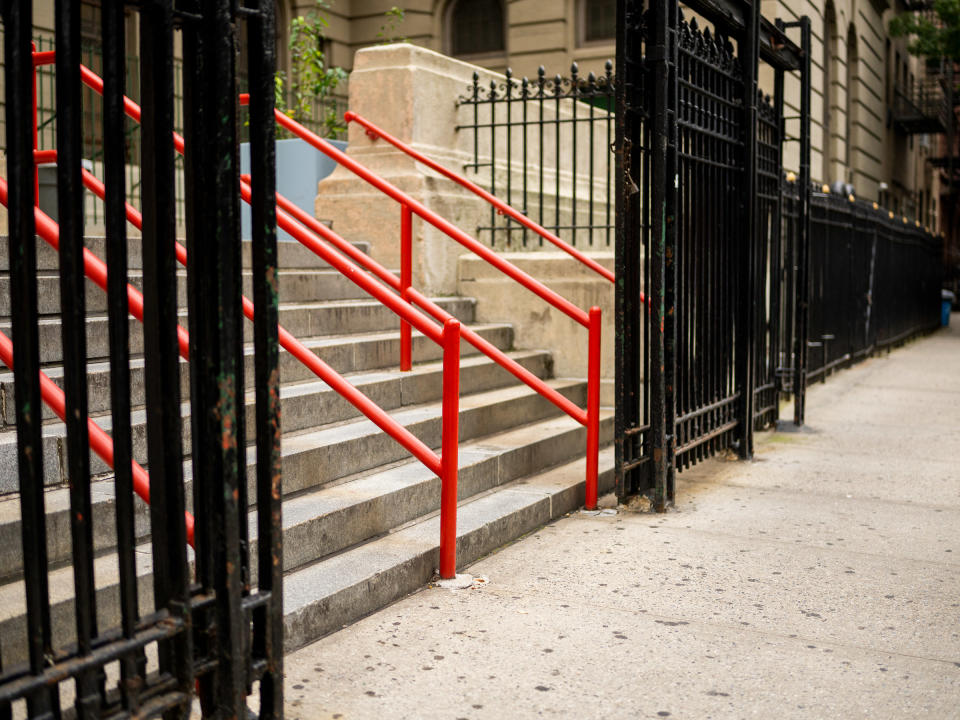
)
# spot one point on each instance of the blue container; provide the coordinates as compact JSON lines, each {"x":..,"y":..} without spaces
{"x":945,"y":313}
{"x":300,"y":166}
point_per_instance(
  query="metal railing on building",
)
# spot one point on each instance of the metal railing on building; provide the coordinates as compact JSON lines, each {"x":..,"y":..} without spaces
{"x":544,"y":145}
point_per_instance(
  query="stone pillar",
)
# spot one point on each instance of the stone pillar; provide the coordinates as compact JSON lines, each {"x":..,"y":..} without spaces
{"x":536,"y":323}
{"x":411,"y":93}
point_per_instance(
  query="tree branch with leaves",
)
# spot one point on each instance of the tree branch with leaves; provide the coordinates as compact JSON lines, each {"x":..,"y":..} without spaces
{"x":933,"y":34}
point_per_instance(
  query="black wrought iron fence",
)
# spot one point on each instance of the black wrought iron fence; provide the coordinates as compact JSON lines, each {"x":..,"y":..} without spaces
{"x":112,"y":640}
{"x":707,"y":215}
{"x":709,"y":238}
{"x":325,"y":119}
{"x":768,"y":261}
{"x":545,"y":146}
{"x":875,"y":281}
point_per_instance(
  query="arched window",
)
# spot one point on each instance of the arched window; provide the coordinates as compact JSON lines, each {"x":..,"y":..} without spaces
{"x":853,"y":82}
{"x":598,"y":20}
{"x":475,"y":27}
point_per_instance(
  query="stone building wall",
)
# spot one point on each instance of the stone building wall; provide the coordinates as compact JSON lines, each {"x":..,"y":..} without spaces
{"x":854,"y":78}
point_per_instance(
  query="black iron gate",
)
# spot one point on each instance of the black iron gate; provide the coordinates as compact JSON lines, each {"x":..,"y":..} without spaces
{"x":212,"y":627}
{"x":699,"y":241}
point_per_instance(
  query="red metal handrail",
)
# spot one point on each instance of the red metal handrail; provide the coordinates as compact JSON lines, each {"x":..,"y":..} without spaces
{"x":590,"y":320}
{"x":100,"y":442}
{"x":445,"y":466}
{"x":374,"y":132}
{"x":484,"y":346}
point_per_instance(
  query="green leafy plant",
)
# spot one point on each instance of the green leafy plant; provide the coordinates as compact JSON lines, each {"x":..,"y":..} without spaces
{"x":388,"y":31}
{"x":309,"y":87}
{"x":933,"y":35}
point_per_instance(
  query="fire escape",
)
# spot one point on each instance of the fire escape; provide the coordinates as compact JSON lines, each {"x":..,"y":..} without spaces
{"x":928,"y":106}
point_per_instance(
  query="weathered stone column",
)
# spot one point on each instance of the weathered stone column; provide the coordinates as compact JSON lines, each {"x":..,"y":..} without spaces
{"x":411,"y":93}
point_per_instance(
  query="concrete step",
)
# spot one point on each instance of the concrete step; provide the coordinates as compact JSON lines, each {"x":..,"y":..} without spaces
{"x":301,"y":319}
{"x":311,"y":459}
{"x":359,"y":352}
{"x":290,"y":255}
{"x":323,"y":596}
{"x":296,"y":286}
{"x":326,"y":521}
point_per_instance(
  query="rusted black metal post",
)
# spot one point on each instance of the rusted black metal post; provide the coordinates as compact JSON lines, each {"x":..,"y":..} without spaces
{"x":73,"y":333}
{"x":632,"y":236}
{"x":171,"y":584}
{"x":803,"y":234}
{"x":218,"y":409}
{"x":660,"y":61}
{"x":267,"y":618}
{"x":133,"y":665}
{"x":747,"y":266}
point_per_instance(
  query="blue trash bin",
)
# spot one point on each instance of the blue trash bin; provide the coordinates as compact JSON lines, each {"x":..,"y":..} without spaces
{"x":946,"y":299}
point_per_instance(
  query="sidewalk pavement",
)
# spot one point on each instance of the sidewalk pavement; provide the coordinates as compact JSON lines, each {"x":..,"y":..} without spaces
{"x":820,"y":580}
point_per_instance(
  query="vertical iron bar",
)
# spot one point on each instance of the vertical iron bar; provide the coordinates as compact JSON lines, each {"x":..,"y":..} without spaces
{"x":509,"y":129}
{"x":161,"y":357}
{"x":592,"y":83}
{"x":133,"y":666}
{"x":746,"y":262}
{"x":658,"y":60}
{"x":476,"y":121}
{"x":541,"y":80}
{"x":525,"y":93}
{"x":195,"y":217}
{"x":628,"y":311}
{"x":557,"y":92}
{"x":268,"y":620}
{"x":21,"y":244}
{"x":610,"y":97}
{"x":574,"y":94}
{"x":73,"y":332}
{"x":220,"y":363}
{"x":493,"y":159}
{"x":803,"y":239}
{"x":665,"y":495}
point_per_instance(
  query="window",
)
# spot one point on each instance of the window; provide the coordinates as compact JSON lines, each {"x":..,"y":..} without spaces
{"x":475,"y":27}
{"x":90,"y":24}
{"x":598,"y":20}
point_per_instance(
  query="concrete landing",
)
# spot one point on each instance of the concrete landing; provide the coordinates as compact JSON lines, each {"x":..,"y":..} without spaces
{"x":821,"y":580}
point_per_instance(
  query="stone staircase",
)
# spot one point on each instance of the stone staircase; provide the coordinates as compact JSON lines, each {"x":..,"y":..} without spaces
{"x":360,"y":515}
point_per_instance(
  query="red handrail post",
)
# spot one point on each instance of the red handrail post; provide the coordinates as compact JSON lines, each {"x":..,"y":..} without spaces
{"x":593,"y":409}
{"x":36,"y":132}
{"x":406,"y":279}
{"x":448,"y":451}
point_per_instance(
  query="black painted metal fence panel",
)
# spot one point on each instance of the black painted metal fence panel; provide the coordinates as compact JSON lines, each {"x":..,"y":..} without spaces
{"x":710,"y":232}
{"x":768,"y":259}
{"x":874,"y":282}
{"x":211,"y":627}
{"x":634,"y":309}
{"x":702,"y":228}
{"x":547,"y":146}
